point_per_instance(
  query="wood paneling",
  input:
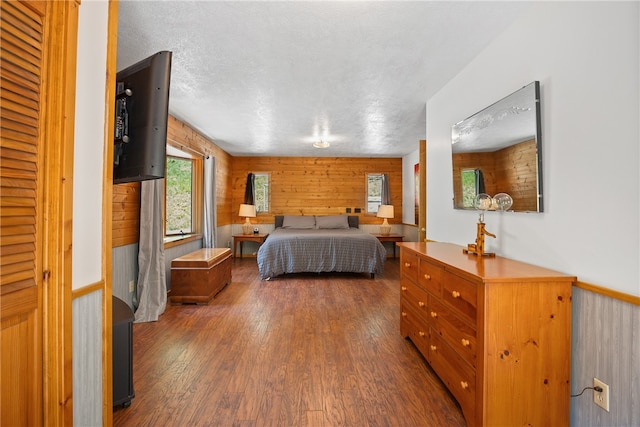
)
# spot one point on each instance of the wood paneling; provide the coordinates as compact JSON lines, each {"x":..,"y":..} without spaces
{"x":517,"y":174}
{"x":606,"y":345}
{"x":126,"y":197}
{"x":512,"y":170}
{"x":299,"y":185}
{"x":125,"y":214}
{"x":183,"y":136}
{"x":87,"y":370}
{"x":316,"y":185}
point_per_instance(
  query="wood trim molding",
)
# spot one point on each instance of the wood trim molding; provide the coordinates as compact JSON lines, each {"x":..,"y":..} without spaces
{"x":59,"y":112}
{"x":107,"y":221}
{"x":86,"y":290}
{"x":422,"y":223}
{"x":631,"y":299}
{"x":172,"y":243}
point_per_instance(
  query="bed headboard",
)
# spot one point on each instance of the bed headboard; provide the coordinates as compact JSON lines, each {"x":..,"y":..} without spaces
{"x":354,"y":221}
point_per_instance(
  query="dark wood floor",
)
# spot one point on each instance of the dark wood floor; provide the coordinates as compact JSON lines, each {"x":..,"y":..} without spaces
{"x":300,"y":350}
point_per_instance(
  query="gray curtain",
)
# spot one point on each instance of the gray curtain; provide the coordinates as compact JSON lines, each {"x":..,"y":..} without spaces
{"x":248,"y":191}
{"x":210,"y":230}
{"x":152,"y":283}
{"x":385,"y":196}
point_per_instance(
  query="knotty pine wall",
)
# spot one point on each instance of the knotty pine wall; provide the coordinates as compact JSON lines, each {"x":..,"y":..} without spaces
{"x":299,"y":185}
{"x":126,"y":197}
{"x":512,"y":170}
{"x":125,"y":214}
{"x":316,"y":185}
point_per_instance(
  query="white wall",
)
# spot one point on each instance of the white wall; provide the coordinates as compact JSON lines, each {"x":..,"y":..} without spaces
{"x":585,"y":56}
{"x":408,"y":187}
{"x":88,"y":176}
{"x":89,"y":143}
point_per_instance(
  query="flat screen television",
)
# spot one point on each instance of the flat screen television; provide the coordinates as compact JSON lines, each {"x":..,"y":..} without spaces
{"x":141,"y":114}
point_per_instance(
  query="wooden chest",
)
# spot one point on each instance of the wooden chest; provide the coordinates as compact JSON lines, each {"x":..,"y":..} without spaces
{"x":198,"y":276}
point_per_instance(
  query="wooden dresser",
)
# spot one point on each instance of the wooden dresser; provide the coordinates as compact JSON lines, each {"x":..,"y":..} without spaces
{"x":496,"y":331}
{"x":198,"y":276}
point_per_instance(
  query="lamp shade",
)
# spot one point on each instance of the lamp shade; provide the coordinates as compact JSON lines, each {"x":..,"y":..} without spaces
{"x":247,"y":211}
{"x":385,"y":211}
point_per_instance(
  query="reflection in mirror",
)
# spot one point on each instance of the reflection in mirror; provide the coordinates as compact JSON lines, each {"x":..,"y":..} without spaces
{"x":498,"y":150}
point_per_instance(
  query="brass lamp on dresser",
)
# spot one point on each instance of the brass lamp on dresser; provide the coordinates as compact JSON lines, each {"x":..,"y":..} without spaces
{"x":496,"y":331}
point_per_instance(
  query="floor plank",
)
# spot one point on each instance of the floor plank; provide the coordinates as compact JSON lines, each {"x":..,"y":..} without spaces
{"x":313,"y":350}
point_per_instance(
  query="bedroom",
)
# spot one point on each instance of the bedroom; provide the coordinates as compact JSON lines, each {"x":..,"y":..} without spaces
{"x":588,"y":64}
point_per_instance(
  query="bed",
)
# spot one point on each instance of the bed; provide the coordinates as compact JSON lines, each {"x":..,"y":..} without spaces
{"x":319,"y":244}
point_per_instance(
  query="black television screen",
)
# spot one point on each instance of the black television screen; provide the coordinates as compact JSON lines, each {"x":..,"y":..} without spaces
{"x":141,"y":114}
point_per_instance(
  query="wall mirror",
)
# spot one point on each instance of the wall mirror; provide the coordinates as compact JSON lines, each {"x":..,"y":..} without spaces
{"x":498,"y":150}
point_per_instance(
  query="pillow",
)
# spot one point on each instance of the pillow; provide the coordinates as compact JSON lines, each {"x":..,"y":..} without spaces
{"x":332,"y":221}
{"x":299,"y":221}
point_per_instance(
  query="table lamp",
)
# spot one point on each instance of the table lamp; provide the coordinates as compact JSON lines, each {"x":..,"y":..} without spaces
{"x":385,"y":211}
{"x":247,"y":211}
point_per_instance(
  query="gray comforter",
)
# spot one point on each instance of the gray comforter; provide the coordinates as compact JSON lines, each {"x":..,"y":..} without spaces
{"x":329,"y":250}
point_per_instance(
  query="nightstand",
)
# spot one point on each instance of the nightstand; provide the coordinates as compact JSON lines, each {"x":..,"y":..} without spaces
{"x":390,"y":238}
{"x":241,"y":238}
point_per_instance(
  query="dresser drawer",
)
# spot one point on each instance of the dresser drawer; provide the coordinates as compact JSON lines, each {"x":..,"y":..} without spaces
{"x":409,"y":265}
{"x":460,"y":336}
{"x":459,"y":377}
{"x":414,"y":297}
{"x":461,"y":295}
{"x":413,"y":327}
{"x":430,"y":277}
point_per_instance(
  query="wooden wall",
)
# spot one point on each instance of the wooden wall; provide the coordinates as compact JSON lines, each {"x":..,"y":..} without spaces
{"x":126,"y":197}
{"x":516,"y":174}
{"x":299,"y":185}
{"x":181,"y":135}
{"x":512,"y":170}
{"x":316,"y":185}
{"x":125,"y":214}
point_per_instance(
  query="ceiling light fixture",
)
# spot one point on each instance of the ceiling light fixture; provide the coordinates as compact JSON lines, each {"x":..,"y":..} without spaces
{"x":321,"y":144}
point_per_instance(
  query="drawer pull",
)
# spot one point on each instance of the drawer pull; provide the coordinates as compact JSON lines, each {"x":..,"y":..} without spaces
{"x":434,"y":314}
{"x":404,"y":288}
{"x":404,"y":314}
{"x":464,"y":385}
{"x":465,"y":342}
{"x":407,"y":264}
{"x":422,"y":334}
{"x":421,"y":304}
{"x":434,"y":348}
{"x":428,"y":277}
{"x":455,"y":294}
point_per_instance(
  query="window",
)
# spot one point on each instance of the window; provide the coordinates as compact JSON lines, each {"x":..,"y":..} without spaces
{"x":261,"y":192}
{"x":470,"y":187}
{"x":374,"y":192}
{"x":183,"y":198}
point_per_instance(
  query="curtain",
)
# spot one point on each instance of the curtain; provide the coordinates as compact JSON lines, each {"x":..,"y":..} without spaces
{"x":479,"y":182}
{"x":209,"y":230}
{"x":152,"y":284}
{"x":385,"y":197}
{"x":248,"y":191}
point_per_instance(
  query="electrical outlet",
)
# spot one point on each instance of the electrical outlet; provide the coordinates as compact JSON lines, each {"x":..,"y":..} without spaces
{"x":601,"y":398}
{"x":132,"y":286}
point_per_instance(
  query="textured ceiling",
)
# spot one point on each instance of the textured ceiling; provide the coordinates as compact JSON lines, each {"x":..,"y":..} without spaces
{"x":271,"y":78}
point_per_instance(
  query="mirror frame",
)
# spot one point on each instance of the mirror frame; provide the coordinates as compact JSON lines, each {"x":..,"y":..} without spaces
{"x":490,"y":140}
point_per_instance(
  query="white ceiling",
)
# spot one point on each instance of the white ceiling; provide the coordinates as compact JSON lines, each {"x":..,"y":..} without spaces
{"x":270,"y":78}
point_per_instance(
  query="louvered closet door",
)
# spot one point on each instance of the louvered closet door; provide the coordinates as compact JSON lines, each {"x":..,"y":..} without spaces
{"x":22,"y":27}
